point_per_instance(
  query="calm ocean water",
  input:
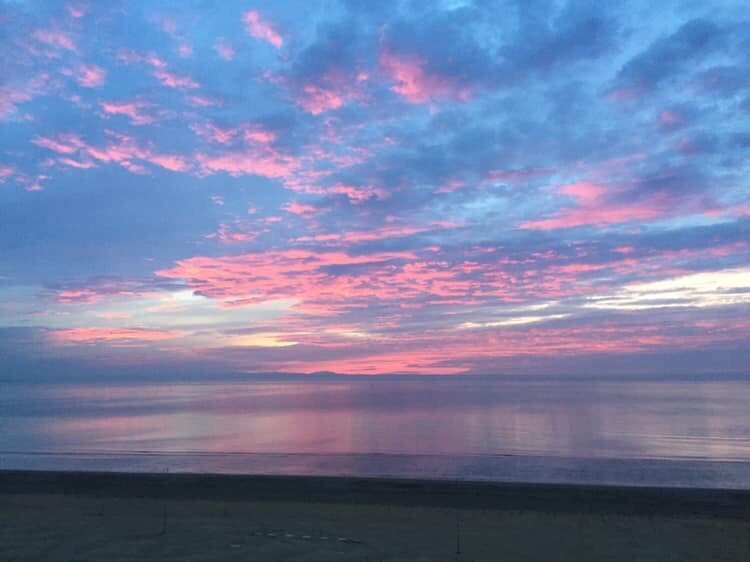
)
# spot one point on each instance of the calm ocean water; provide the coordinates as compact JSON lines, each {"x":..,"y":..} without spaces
{"x":549,"y":430}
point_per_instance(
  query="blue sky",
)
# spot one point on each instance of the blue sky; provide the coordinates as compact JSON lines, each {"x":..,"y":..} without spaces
{"x":374,"y":187}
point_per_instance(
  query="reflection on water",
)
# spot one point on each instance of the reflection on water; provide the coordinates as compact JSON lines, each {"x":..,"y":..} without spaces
{"x":427,"y":418}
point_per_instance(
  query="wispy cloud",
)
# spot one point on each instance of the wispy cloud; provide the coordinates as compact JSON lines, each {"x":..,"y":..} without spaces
{"x":259,"y":28}
{"x":135,"y":110}
{"x":224,"y":49}
{"x":90,"y":75}
{"x":417,"y":85}
{"x":117,"y":336}
{"x":56,"y":38}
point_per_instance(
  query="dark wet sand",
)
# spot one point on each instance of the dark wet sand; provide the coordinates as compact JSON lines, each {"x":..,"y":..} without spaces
{"x":105,"y":516}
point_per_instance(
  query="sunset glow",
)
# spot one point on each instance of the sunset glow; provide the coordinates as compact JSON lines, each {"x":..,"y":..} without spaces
{"x":374,"y":188}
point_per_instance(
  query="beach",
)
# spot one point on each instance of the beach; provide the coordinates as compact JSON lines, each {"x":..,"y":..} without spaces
{"x":77,"y":516}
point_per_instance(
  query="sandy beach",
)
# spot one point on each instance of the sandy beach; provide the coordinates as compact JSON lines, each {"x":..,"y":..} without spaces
{"x":99,"y":516}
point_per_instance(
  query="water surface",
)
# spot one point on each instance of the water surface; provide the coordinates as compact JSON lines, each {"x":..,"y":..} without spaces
{"x":694,"y":433}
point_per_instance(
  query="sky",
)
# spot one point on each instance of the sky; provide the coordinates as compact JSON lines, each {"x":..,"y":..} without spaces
{"x":447,"y":187}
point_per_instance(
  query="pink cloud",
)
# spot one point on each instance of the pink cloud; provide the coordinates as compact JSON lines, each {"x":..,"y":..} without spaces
{"x":403,"y":362}
{"x":233,"y":234}
{"x":358,"y":194}
{"x":55,"y":38}
{"x":101,"y":289}
{"x":624,"y":249}
{"x":133,"y":109}
{"x":224,"y":49}
{"x":587,"y":193}
{"x":90,"y":75}
{"x":227,"y":135}
{"x":185,"y":50}
{"x":259,"y":159}
{"x":169,"y":79}
{"x":6,"y":172}
{"x":396,"y":286}
{"x":122,"y":150}
{"x":154,"y":60}
{"x":599,"y":216}
{"x":110,"y":335}
{"x":132,"y":167}
{"x":174,"y":81}
{"x":382,"y":233}
{"x":169,"y":26}
{"x":202,"y":101}
{"x":593,"y":209}
{"x":171,"y":162}
{"x":76,"y":164}
{"x":277,"y":275}
{"x":12,"y":96}
{"x":297,"y":208}
{"x":257,"y":134}
{"x":30,"y":182}
{"x":261,"y":29}
{"x":78,"y":296}
{"x":76,"y":10}
{"x":579,"y":267}
{"x":326,"y":91}
{"x":451,"y":185}
{"x":213,"y":133}
{"x":416,"y":85}
{"x":64,"y":143}
{"x":257,"y":162}
{"x":128,"y":56}
{"x":35,"y":183}
{"x":316,"y":100}
{"x":453,"y":352}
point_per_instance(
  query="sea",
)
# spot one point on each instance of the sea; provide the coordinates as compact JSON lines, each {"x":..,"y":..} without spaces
{"x":633,"y":431}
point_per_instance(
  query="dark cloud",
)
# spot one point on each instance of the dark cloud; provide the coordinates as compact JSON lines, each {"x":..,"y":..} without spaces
{"x":694,"y":42}
{"x":548,"y":38}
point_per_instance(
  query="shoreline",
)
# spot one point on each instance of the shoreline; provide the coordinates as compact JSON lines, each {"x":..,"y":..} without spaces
{"x":511,"y":496}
